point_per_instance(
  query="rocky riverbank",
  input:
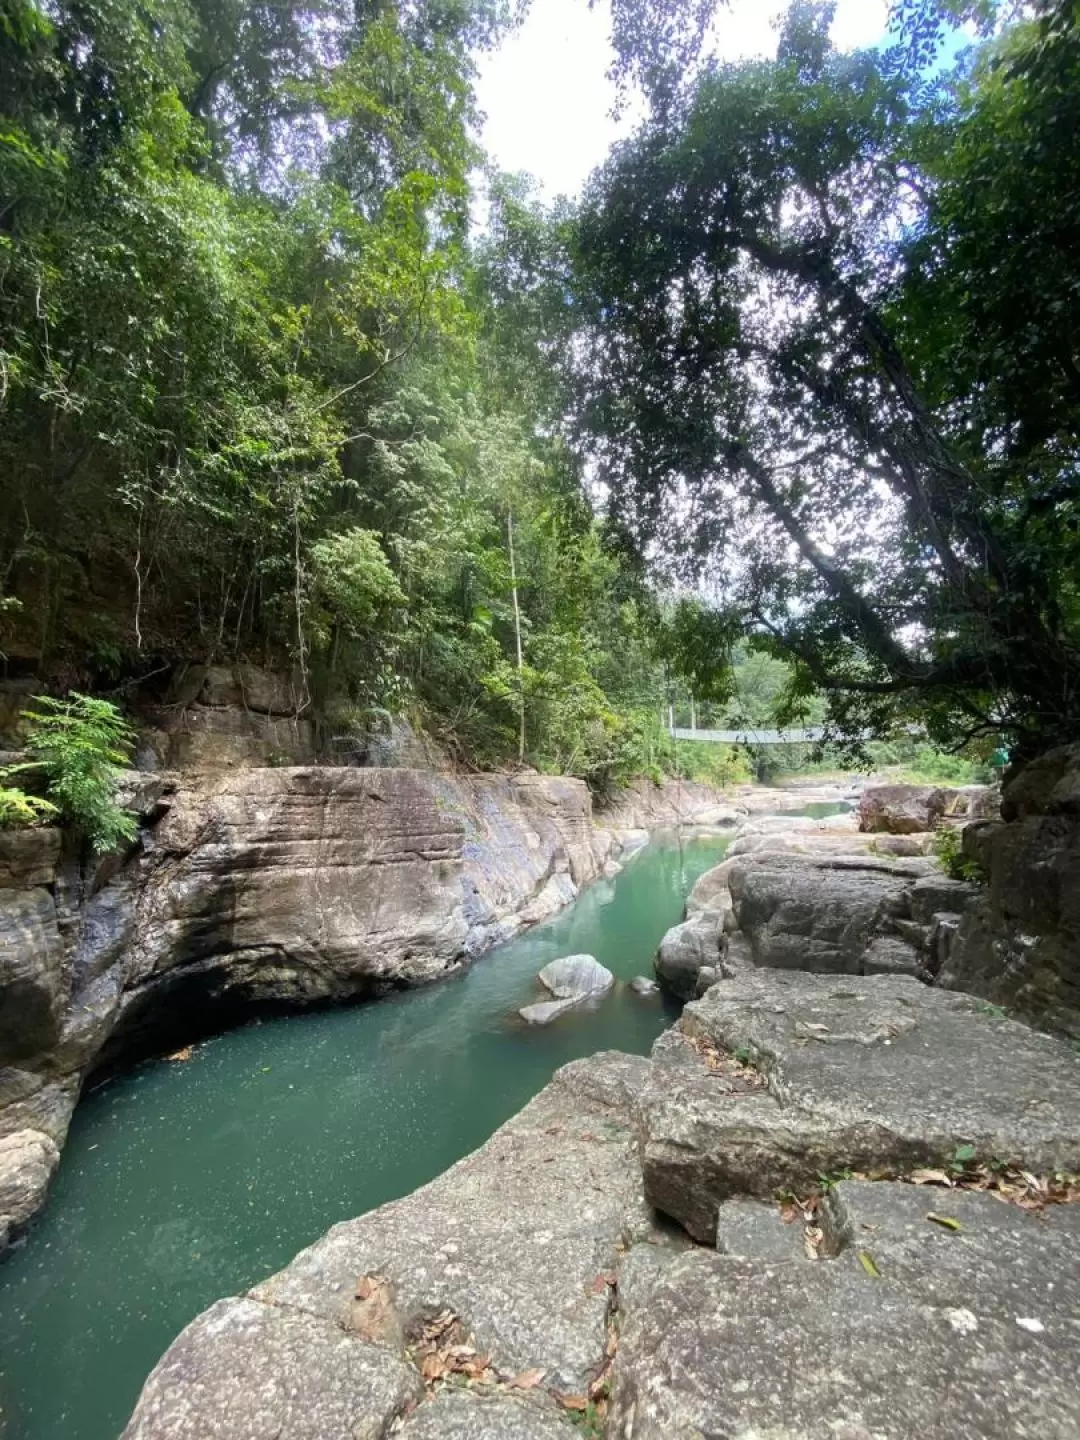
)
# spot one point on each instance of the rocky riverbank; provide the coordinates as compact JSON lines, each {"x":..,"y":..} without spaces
{"x":832,"y":1204}
{"x":272,"y":888}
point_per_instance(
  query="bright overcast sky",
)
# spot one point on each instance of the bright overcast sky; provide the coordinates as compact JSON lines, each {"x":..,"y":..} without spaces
{"x":547,"y":98}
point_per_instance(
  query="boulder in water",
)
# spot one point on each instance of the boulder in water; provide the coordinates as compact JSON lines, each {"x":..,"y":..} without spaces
{"x":642,"y":985}
{"x":545,"y":1011}
{"x":576,"y":977}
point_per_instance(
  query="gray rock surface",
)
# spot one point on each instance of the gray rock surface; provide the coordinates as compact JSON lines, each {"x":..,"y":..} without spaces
{"x":545,"y":1011}
{"x":519,"y":1240}
{"x":246,"y":1370}
{"x":576,"y":977}
{"x":686,"y":950}
{"x":902,"y":809}
{"x":792,"y":1349}
{"x":1018,"y":943}
{"x":479,"y":1415}
{"x":809,"y":913}
{"x":880,"y":1073}
{"x":27,"y":1161}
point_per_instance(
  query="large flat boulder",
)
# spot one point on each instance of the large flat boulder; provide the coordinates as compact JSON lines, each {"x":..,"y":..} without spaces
{"x":807,"y":912}
{"x":879,"y":1074}
{"x":964,"y":1334}
{"x":902,"y":809}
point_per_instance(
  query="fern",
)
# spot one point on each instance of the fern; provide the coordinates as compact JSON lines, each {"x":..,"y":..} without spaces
{"x":19,"y":810}
{"x":82,"y":744}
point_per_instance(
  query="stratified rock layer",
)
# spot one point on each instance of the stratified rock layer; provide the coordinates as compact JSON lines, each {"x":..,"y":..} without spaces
{"x":881,"y":1074}
{"x":271,"y":887}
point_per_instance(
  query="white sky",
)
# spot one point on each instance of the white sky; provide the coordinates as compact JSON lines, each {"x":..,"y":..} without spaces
{"x":547,"y":97}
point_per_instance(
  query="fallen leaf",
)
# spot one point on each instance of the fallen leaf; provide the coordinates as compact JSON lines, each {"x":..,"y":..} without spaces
{"x":946,"y":1221}
{"x":602,"y":1282}
{"x":930,"y":1177}
{"x":574,"y":1402}
{"x":866,"y":1260}
{"x":528,"y":1379}
{"x":433,"y":1367}
{"x":184,"y":1054}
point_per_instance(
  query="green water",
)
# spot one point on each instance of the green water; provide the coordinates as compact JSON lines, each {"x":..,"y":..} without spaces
{"x":181,"y":1183}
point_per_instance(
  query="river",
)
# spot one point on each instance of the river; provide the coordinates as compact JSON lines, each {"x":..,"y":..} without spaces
{"x":184,"y":1181}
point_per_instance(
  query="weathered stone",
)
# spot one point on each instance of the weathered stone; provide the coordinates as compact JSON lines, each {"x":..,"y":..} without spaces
{"x":31,"y":974}
{"x":685,"y":950}
{"x":959,"y":1336}
{"x":503,"y":1415}
{"x":879,"y":1074}
{"x":1018,"y":943}
{"x":804,"y":913}
{"x":975,"y":802}
{"x":935,"y":894}
{"x":245,"y":1370}
{"x":752,"y":1230}
{"x":251,"y":687}
{"x":1049,"y":785}
{"x":902,"y":809}
{"x":545,"y":1011}
{"x":28,"y":858}
{"x":576,"y":977}
{"x":27,"y":1161}
{"x":893,"y":955}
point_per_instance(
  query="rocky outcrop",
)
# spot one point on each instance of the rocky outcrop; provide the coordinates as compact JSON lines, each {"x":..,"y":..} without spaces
{"x":535,"y":1270}
{"x":1018,"y":942}
{"x":881,"y":1074}
{"x":644,"y":805}
{"x":902,"y":809}
{"x":959,"y":1334}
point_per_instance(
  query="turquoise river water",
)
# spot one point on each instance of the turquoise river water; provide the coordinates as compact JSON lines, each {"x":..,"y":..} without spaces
{"x":183,"y":1182}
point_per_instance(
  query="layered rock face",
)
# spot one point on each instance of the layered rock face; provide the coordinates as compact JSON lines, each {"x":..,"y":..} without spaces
{"x":537,"y":1272}
{"x":259,"y":888}
{"x":1018,"y":942}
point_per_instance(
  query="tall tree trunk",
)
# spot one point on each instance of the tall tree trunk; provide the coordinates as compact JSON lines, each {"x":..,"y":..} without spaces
{"x":517,"y":638}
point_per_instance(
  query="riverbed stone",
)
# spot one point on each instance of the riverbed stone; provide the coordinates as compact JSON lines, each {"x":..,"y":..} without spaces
{"x":816,"y":913}
{"x":643,"y":985}
{"x":27,"y":1161}
{"x":685,"y":950}
{"x":545,"y":1011}
{"x":576,"y":977}
{"x":246,"y":1370}
{"x":959,"y":1335}
{"x":877,"y":1073}
{"x":902,"y":809}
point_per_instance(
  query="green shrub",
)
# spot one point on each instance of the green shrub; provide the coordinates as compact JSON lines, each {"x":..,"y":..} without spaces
{"x":19,"y":810}
{"x":80,"y":744}
{"x":948,"y":846}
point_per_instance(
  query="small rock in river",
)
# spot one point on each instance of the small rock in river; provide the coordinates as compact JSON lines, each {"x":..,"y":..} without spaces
{"x":642,"y":985}
{"x":546,"y":1011}
{"x":574,"y":977}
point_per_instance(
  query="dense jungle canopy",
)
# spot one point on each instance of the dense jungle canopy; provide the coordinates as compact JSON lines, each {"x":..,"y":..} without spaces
{"x":797,"y":378}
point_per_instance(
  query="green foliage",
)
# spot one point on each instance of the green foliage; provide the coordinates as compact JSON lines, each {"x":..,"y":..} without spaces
{"x":948,"y":847}
{"x":81,"y":744}
{"x":19,"y":810}
{"x":813,"y":386}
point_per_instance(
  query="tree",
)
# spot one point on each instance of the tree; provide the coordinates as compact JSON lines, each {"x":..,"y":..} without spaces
{"x":754,"y":393}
